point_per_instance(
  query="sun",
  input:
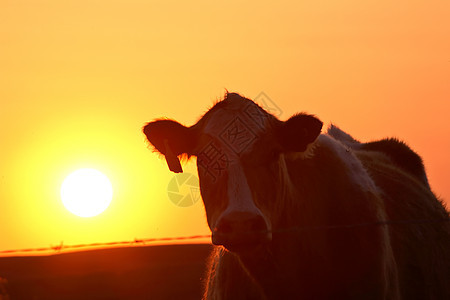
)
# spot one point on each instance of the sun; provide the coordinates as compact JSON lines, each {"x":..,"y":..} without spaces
{"x":86,"y":192}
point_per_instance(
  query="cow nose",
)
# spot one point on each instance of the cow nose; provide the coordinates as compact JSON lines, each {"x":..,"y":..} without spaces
{"x":241,"y":230}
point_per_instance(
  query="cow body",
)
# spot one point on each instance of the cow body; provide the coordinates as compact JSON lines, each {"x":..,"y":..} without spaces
{"x":301,"y":215}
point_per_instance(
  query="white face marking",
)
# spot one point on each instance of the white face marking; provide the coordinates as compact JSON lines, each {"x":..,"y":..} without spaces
{"x":236,"y":131}
{"x":355,"y":169}
{"x":239,"y":195}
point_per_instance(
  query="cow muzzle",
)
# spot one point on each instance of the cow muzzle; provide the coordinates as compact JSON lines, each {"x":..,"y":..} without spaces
{"x":241,"y":231}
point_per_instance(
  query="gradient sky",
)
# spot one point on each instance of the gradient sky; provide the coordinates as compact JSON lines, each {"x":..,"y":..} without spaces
{"x":80,"y":78}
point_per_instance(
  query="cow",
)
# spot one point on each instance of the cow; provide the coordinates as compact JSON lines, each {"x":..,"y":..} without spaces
{"x":300,"y":214}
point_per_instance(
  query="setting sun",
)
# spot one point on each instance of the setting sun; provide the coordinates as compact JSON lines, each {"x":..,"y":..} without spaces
{"x":86,"y":192}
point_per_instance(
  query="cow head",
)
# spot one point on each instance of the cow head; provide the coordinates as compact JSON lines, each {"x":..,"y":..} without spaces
{"x":241,"y":151}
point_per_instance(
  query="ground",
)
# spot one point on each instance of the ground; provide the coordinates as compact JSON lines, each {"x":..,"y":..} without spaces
{"x":150,"y":272}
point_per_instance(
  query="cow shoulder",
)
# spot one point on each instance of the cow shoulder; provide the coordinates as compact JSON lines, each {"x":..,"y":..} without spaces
{"x":350,"y":166}
{"x":401,"y":155}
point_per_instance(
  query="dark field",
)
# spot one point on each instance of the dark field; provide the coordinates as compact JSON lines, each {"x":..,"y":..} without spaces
{"x":152,"y":272}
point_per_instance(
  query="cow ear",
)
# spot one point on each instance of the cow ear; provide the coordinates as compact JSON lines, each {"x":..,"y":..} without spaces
{"x":295,"y":134}
{"x":171,"y":139}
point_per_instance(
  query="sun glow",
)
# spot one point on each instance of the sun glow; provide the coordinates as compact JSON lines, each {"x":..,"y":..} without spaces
{"x":86,"y":192}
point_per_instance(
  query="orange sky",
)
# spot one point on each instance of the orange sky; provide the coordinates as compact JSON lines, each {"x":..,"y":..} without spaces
{"x":79,"y":79}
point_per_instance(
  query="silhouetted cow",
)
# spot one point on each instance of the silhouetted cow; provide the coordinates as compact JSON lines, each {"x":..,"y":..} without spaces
{"x":303,"y":215}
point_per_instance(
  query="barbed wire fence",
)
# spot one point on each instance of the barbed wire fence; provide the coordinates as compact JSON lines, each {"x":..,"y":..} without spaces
{"x":135,"y":242}
{"x":142,"y":242}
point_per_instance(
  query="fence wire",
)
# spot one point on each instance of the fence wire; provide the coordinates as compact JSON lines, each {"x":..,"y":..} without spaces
{"x":136,"y":241}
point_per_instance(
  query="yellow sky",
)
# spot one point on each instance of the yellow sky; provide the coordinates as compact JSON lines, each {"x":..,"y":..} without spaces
{"x":79,"y":79}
